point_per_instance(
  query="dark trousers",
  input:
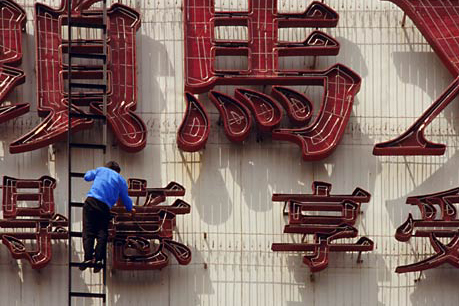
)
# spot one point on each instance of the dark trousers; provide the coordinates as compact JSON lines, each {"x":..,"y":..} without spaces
{"x":96,"y":216}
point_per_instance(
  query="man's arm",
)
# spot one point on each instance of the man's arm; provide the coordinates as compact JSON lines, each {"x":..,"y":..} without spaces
{"x":124,"y":195}
{"x":90,"y":175}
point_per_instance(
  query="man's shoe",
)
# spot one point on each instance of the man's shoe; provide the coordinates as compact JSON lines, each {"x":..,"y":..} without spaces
{"x":84,"y":265}
{"x":98,"y":266}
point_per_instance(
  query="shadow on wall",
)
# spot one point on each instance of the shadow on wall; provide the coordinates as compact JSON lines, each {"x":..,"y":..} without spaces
{"x":153,"y":63}
{"x":417,"y":70}
{"x":209,"y":191}
{"x":158,"y":284}
{"x":351,"y":56}
{"x":427,"y":292}
{"x":339,"y":280}
{"x":268,"y":167}
{"x":26,"y":93}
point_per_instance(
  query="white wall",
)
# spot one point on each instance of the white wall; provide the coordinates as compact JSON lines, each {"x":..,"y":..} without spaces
{"x":230,"y":186}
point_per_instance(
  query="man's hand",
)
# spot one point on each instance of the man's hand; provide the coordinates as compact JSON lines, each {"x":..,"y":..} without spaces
{"x":133,"y":211}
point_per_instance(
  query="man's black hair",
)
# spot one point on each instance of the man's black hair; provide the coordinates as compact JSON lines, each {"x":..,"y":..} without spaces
{"x":113,"y":165}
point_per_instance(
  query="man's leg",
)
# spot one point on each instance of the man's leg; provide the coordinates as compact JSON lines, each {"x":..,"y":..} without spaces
{"x":89,"y":231}
{"x":102,"y":236}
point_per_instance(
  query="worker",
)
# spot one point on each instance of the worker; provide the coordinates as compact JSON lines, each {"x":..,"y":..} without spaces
{"x":108,"y":186}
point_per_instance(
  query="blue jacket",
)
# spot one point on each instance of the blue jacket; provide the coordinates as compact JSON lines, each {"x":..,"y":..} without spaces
{"x":108,"y":186}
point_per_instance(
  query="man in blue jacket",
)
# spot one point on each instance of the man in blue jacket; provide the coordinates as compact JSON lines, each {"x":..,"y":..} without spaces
{"x":108,"y":186}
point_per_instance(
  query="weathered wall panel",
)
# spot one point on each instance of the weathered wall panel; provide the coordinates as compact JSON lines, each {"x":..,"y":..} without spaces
{"x":229,"y":186}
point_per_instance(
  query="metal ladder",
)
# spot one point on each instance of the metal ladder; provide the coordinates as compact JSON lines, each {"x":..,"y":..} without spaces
{"x":73,"y":266}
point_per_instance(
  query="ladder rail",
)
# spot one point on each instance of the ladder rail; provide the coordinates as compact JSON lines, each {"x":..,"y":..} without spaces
{"x":69,"y":153}
{"x":104,"y":71}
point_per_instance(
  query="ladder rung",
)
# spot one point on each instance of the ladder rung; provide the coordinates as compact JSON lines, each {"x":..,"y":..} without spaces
{"x":76,"y":234}
{"x":77,"y":174}
{"x":82,"y":42}
{"x":88,"y":294}
{"x":87,"y":116}
{"x":76,"y":204}
{"x":86,"y":68}
{"x":88,"y":145}
{"x":89,"y":265}
{"x":95,"y":25}
{"x":88,"y":55}
{"x":88,"y":86}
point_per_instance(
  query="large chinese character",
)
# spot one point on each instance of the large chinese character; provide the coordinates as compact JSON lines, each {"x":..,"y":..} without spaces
{"x":52,"y":73}
{"x":325,"y":229}
{"x":39,"y":223}
{"x":140,"y":242}
{"x":263,"y":51}
{"x":438,"y":22}
{"x":438,"y":220}
{"x":12,"y":24}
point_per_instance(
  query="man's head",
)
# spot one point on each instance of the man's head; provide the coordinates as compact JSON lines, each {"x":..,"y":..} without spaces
{"x":113,"y":165}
